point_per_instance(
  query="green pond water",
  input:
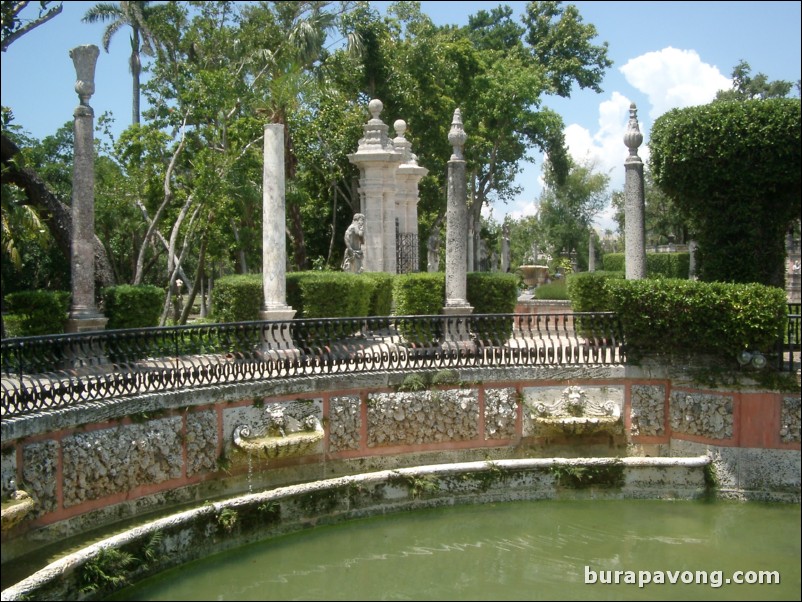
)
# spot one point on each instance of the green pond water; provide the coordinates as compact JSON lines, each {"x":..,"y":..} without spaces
{"x":535,"y":550}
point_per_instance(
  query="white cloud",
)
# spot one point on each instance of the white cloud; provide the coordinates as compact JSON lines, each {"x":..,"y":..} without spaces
{"x":673,"y":78}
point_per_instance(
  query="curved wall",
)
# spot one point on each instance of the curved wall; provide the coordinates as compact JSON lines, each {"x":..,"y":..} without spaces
{"x":101,"y":463}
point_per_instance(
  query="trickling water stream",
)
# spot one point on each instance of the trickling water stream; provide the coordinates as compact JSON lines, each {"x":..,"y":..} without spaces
{"x":537,"y":550}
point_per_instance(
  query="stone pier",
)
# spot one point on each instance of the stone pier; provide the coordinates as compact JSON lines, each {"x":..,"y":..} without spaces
{"x":84,"y":315}
{"x":634,"y":202}
{"x":274,"y":251}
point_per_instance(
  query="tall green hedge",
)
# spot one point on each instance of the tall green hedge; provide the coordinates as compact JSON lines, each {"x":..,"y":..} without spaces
{"x":128,"y":306}
{"x":381,"y":299}
{"x":335,"y":295}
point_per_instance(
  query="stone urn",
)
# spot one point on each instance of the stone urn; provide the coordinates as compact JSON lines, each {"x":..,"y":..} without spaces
{"x":534,"y":275}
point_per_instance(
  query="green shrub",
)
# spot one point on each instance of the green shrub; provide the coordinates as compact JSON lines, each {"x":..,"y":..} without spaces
{"x":237,"y":298}
{"x":381,"y":299}
{"x":556,"y":290}
{"x":128,"y":306}
{"x":588,"y":291}
{"x":684,"y":316}
{"x":335,"y":294}
{"x":492,"y":292}
{"x":666,"y":265}
{"x":419,"y":294}
{"x":37,"y":312}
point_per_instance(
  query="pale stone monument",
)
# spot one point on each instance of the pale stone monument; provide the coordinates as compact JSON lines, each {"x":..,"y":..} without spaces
{"x":592,"y":251}
{"x":407,"y":177}
{"x":378,"y":162}
{"x":634,"y":203}
{"x":274,"y":244}
{"x":84,"y":315}
{"x":456,"y":223}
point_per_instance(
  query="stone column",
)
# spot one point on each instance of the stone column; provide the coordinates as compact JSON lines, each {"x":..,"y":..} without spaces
{"x":377,"y":161}
{"x":407,"y":177}
{"x":505,"y":248}
{"x":591,"y":251}
{"x":456,"y":224}
{"x":634,"y":203}
{"x":274,"y":244}
{"x":84,"y":315}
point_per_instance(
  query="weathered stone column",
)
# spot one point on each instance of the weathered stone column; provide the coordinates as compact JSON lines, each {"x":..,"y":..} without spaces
{"x":591,"y":251}
{"x":456,"y":224}
{"x":505,"y":248}
{"x":274,"y":244}
{"x":634,"y":202}
{"x":407,"y":177}
{"x":84,"y":315}
{"x":377,"y":161}
{"x":693,"y":246}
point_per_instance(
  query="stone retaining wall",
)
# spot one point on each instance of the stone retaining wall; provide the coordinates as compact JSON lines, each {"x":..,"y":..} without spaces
{"x":97,"y":464}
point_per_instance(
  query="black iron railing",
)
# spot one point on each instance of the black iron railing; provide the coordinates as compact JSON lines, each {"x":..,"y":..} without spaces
{"x":40,"y":373}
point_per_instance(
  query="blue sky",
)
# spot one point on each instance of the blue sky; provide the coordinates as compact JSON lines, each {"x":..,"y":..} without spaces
{"x":665,"y":55}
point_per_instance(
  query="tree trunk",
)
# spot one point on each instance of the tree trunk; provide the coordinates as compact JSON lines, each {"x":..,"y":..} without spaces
{"x":55,"y":214}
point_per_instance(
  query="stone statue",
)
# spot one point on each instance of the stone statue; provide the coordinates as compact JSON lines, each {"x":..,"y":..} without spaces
{"x":433,"y":247}
{"x":354,"y":239}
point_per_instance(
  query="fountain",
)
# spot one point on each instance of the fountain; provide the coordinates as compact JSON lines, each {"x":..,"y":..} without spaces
{"x":287,"y":431}
{"x":534,"y":275}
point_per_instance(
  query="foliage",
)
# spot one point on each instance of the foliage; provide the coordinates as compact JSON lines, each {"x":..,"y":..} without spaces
{"x":556,"y":290}
{"x":14,"y":26}
{"x":733,"y":170}
{"x":492,"y":292}
{"x":589,"y":292}
{"x":381,"y":298}
{"x":42,"y":312}
{"x":419,"y":294}
{"x":237,"y":298}
{"x":746,"y":87}
{"x":568,"y":207}
{"x":683,"y":316}
{"x":668,"y":265}
{"x":591,"y":475}
{"x":107,"y":568}
{"x":128,"y":306}
{"x":335,"y":294}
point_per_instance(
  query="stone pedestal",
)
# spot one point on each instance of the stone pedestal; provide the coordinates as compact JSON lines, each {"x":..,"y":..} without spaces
{"x":378,"y":162}
{"x":407,"y":177}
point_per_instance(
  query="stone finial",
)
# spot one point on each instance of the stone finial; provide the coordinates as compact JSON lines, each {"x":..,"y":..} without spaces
{"x":375,"y":108}
{"x":85,"y":58}
{"x":457,"y":136}
{"x":633,"y":138}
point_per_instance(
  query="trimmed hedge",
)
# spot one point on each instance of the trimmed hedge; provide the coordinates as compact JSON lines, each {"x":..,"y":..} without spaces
{"x":667,"y":265}
{"x":588,"y":291}
{"x":492,"y":292}
{"x":673,"y":316}
{"x":237,"y":298}
{"x":128,"y":306}
{"x":381,"y":299}
{"x":35,"y":313}
{"x":334,"y":295}
{"x":419,"y":294}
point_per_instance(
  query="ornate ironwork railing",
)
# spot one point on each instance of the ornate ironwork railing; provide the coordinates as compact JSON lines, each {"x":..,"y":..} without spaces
{"x":41,"y":373}
{"x":789,"y":341}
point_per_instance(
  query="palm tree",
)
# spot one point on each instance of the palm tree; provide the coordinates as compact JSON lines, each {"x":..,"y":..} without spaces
{"x":134,"y":15}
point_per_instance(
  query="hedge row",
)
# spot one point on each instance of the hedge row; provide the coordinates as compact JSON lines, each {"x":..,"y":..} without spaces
{"x":665,"y":265}
{"x":673,"y":316}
